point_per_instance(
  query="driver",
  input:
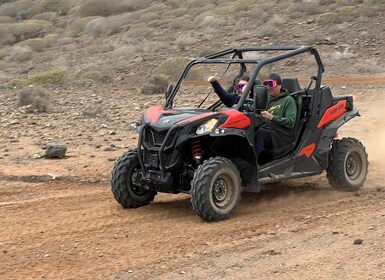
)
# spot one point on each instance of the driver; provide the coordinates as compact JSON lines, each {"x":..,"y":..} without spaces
{"x":228,"y":98}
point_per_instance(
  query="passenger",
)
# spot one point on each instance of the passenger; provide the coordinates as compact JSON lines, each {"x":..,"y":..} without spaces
{"x":277,"y":132}
{"x":228,"y":98}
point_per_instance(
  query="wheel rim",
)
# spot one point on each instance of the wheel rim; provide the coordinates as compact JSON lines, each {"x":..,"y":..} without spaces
{"x":135,"y":183}
{"x":353,"y":166}
{"x":222,"y":191}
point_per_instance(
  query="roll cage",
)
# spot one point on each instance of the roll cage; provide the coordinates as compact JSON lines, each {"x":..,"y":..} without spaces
{"x":237,"y":57}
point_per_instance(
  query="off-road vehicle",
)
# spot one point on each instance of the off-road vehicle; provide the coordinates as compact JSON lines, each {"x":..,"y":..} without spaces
{"x":207,"y":151}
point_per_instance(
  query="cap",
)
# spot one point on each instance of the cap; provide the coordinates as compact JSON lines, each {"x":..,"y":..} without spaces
{"x":276,"y":77}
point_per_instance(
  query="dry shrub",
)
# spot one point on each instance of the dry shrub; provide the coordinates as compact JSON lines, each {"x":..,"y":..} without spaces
{"x":327,"y":18}
{"x":326,"y":2}
{"x":20,"y":54}
{"x":31,"y":29}
{"x":101,"y":27}
{"x":48,"y":16}
{"x":186,"y":40}
{"x":15,"y":84}
{"x":16,"y":9}
{"x":76,"y":28}
{"x":36,"y":44}
{"x":94,"y":75}
{"x":7,"y":19}
{"x":307,"y":8}
{"x":156,"y":84}
{"x":60,"y":7}
{"x":140,"y":31}
{"x":51,"y":77}
{"x":374,"y":2}
{"x":107,"y":7}
{"x":6,"y":34}
{"x":147,"y":17}
{"x":35,"y":99}
{"x":172,"y":67}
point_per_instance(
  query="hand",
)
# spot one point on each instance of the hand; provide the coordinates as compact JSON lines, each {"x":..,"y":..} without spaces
{"x":212,"y":79}
{"x":267,"y":115}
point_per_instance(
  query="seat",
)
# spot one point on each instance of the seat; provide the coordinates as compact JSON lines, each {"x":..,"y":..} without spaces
{"x":291,"y":84}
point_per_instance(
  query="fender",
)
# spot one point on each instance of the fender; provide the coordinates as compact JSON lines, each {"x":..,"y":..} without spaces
{"x":330,"y":131}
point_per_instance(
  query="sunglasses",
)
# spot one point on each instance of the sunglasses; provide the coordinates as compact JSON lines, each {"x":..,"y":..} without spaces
{"x":239,"y":87}
{"x":270,"y":83}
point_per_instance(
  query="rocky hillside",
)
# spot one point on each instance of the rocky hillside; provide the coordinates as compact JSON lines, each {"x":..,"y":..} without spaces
{"x":101,"y":42}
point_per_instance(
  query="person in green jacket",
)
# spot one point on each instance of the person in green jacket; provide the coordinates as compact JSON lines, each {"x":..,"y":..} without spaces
{"x":277,"y":132}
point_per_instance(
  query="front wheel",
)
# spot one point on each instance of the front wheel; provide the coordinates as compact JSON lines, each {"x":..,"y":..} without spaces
{"x":215,"y":189}
{"x":348,"y":164}
{"x":125,"y":182}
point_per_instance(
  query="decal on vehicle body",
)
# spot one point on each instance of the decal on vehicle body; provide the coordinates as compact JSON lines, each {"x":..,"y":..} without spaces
{"x":333,"y":113}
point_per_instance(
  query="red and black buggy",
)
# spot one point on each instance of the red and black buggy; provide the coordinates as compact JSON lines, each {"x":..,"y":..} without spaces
{"x":195,"y":145}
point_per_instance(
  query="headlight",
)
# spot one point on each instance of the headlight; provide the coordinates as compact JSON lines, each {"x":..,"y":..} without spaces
{"x":207,"y":127}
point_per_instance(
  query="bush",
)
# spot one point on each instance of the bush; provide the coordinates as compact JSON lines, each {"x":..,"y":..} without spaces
{"x":60,"y":7}
{"x":326,"y":18}
{"x":374,"y":2}
{"x":173,"y":67}
{"x":101,"y":26}
{"x":156,"y":84}
{"x":36,"y":44}
{"x":107,"y":7}
{"x":51,"y":77}
{"x":36,"y":99}
{"x":7,"y":19}
{"x":15,"y":83}
{"x":31,"y":29}
{"x":48,"y":16}
{"x":20,"y":54}
{"x":94,"y":75}
{"x":6,"y":34}
{"x":76,"y":28}
{"x":16,"y":9}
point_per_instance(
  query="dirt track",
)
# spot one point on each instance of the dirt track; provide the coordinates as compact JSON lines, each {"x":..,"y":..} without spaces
{"x":66,"y":225}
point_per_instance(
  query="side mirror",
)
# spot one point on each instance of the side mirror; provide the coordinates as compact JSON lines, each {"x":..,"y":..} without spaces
{"x":261,"y":97}
{"x":169,"y":89}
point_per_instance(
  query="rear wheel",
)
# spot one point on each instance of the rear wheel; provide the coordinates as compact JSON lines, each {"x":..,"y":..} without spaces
{"x":216,"y":189}
{"x":348,"y":164}
{"x":125,"y":182}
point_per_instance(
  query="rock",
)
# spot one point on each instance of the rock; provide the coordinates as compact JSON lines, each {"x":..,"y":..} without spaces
{"x":55,"y":150}
{"x":358,"y":241}
{"x":110,"y":149}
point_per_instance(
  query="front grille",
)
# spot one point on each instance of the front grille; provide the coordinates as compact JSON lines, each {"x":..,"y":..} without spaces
{"x":153,"y":140}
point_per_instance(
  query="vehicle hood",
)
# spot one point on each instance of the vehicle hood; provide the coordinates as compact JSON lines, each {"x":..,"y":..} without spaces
{"x":160,"y":117}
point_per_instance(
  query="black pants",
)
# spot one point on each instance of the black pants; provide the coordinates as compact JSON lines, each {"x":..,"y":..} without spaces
{"x":262,"y":140}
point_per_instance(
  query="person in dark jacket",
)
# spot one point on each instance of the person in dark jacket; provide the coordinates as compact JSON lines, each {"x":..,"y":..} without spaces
{"x":228,"y":98}
{"x":277,"y":132}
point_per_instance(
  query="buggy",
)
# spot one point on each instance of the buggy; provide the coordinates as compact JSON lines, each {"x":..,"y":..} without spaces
{"x":206,"y":150}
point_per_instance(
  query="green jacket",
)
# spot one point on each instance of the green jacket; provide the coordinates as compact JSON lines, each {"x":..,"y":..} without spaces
{"x":284,"y":111}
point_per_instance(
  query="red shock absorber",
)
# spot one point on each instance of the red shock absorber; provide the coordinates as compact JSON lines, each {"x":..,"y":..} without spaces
{"x":196,"y":151}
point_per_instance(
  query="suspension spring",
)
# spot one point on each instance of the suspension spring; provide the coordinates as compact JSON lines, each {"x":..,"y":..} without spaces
{"x":196,"y":151}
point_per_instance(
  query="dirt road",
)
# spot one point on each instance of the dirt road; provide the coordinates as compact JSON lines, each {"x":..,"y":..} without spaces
{"x":59,"y":219}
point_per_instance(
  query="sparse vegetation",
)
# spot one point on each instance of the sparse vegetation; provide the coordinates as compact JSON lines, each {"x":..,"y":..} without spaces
{"x":30,"y":29}
{"x":51,"y":77}
{"x":172,"y":67}
{"x":36,"y":44}
{"x":156,"y":84}
{"x":144,"y":29}
{"x":34,"y":99}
